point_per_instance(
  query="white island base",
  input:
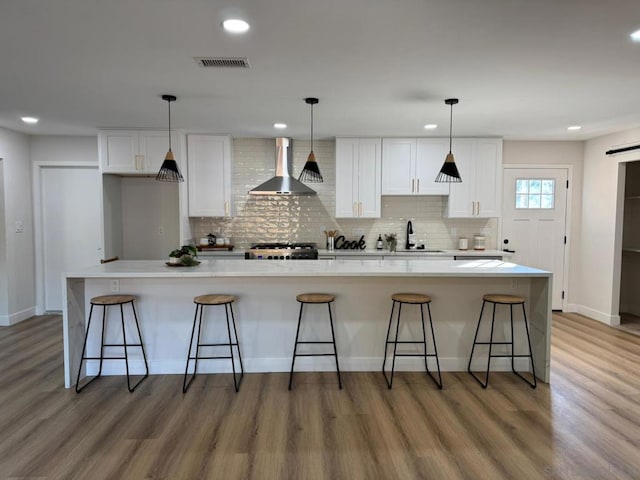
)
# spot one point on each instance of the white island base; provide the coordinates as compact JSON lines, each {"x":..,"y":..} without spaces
{"x":266,"y":311}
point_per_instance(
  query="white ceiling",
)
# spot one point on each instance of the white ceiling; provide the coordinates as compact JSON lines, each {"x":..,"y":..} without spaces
{"x":523,"y":69}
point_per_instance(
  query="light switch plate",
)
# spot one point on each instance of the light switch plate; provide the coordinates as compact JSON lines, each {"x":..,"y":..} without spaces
{"x":19,"y":226}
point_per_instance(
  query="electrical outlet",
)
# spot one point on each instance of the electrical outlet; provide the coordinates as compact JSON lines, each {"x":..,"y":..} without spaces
{"x":514,"y":283}
{"x":19,"y":226}
{"x":115,"y":286}
{"x":358,"y":232}
{"x":454,"y":232}
{"x":161,"y":231}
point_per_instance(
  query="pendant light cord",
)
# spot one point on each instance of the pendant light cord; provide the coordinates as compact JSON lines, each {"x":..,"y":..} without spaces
{"x":450,"y":127}
{"x":169,"y":102}
{"x":312,"y":127}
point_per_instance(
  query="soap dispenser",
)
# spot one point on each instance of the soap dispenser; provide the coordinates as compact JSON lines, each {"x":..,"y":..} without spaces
{"x":379,"y":243}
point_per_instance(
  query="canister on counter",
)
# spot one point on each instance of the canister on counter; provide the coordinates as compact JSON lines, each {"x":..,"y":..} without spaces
{"x":463,"y":243}
{"x":478,"y":242}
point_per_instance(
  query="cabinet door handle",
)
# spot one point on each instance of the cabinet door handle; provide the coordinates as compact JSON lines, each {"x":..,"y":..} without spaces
{"x":478,"y":209}
{"x":359,"y":209}
{"x":140,"y":163}
{"x":418,"y":186}
{"x":413,"y":185}
{"x":226,"y":209}
{"x":354,"y":210}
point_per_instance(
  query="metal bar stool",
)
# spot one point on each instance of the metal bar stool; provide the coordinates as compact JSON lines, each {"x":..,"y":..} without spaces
{"x":412,"y":299}
{"x":201,"y":301}
{"x":314,"y":298}
{"x":511,"y":300}
{"x":106,"y":301}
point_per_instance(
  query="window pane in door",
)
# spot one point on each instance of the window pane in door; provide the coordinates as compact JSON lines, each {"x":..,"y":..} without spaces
{"x":534,"y":201}
{"x":547,"y":186}
{"x":522,"y":201}
{"x":535,"y":186}
{"x":546,"y":201}
{"x":522,"y":186}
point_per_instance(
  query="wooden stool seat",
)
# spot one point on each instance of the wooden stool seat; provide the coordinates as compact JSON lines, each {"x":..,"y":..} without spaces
{"x":503,"y":299}
{"x":414,"y":298}
{"x":214,"y":299}
{"x":315,"y":298}
{"x":112,"y":299}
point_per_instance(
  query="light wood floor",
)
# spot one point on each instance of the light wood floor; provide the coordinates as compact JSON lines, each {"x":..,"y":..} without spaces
{"x":585,"y":425}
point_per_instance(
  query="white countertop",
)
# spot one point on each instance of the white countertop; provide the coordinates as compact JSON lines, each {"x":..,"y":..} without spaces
{"x":418,"y":253}
{"x":309,"y":268}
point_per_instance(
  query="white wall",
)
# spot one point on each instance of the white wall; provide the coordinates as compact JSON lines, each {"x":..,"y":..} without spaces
{"x":599,"y":280}
{"x":557,"y":153}
{"x":19,"y":273}
{"x":58,"y":148}
{"x":4,"y":302}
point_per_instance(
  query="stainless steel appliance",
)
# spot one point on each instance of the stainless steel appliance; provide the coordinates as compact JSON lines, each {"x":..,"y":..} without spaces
{"x":282,"y":251}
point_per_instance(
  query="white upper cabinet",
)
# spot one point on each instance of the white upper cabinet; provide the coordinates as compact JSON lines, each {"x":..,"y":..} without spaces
{"x":479,"y":161}
{"x":135,"y":152}
{"x":209,"y":175}
{"x":410,"y":166}
{"x":358,"y":168}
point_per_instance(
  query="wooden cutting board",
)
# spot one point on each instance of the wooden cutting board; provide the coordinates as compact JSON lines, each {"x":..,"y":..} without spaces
{"x":206,"y":248}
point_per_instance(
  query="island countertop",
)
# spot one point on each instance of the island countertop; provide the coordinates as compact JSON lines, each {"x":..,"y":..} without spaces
{"x":306,"y":268}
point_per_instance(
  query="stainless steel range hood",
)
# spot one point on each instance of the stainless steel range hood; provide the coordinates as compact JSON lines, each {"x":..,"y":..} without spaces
{"x":283,"y":183}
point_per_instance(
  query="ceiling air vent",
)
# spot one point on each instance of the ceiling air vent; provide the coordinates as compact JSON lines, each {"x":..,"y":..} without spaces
{"x":222,"y":62}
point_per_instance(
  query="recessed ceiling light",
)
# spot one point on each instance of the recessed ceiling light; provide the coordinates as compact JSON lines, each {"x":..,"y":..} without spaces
{"x":235,"y":25}
{"x":280,"y":125}
{"x":430,"y":126}
{"x":635,"y":36}
{"x":30,"y":120}
{"x":574,"y":127}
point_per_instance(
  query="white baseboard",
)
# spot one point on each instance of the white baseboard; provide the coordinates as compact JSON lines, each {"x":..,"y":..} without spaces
{"x":6,"y":320}
{"x":571,"y":308}
{"x":611,"y":320}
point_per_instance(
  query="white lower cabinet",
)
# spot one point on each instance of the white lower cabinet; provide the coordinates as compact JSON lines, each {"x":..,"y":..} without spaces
{"x":479,"y":161}
{"x":358,"y":176}
{"x":209,"y":175}
{"x":135,"y":152}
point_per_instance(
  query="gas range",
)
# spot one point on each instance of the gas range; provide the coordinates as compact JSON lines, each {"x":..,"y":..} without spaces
{"x":282,"y":251}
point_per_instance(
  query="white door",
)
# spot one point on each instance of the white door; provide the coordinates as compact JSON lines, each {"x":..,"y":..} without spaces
{"x":70,"y":207}
{"x":534,"y":220}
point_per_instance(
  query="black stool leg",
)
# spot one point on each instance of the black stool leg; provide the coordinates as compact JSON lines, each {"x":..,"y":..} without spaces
{"x":395,"y":347}
{"x":435,"y":348}
{"x":493,"y":317}
{"x":295,"y":346}
{"x":386,"y":343}
{"x":84,"y":349}
{"x":144,"y":356}
{"x":237,"y":344}
{"x":185,"y":383}
{"x":475,"y":339}
{"x":533,"y":384}
{"x":335,"y":348}
{"x":236,"y":383}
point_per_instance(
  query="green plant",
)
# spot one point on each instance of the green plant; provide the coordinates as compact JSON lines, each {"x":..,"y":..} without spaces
{"x":188,"y":250}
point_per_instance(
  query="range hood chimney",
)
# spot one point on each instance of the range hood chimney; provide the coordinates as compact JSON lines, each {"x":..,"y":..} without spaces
{"x":283,"y":183}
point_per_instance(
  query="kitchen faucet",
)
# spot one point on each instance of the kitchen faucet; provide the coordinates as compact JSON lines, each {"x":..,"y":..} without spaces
{"x":409,"y":243}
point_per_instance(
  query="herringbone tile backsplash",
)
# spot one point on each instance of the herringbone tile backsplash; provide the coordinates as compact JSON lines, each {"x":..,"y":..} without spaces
{"x":304,"y":218}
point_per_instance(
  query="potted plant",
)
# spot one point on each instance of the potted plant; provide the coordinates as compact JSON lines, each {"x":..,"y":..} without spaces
{"x":185,"y":255}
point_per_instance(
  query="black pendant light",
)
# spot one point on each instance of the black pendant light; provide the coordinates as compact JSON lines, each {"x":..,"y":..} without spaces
{"x":169,"y":171}
{"x":311,"y":171}
{"x":449,"y":172}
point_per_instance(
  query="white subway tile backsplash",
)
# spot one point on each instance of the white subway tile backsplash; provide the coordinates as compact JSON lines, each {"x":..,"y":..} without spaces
{"x":303,"y":218}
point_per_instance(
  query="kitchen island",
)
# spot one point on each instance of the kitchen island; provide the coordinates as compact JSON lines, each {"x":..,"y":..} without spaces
{"x":266,"y":310}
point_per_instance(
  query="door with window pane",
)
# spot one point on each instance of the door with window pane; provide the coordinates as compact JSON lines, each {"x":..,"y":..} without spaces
{"x":534,"y":220}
